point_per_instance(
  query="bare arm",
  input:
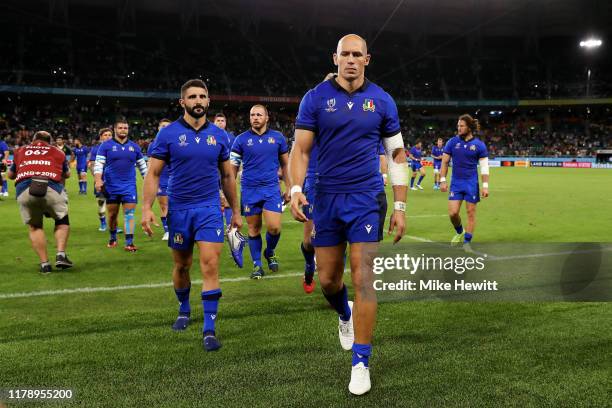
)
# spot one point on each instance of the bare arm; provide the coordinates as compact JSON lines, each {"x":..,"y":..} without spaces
{"x":150,"y":186}
{"x":228,"y":184}
{"x":284,"y":163}
{"x":298,"y":164}
{"x":443,"y":172}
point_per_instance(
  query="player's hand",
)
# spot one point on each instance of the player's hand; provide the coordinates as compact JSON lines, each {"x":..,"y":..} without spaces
{"x":286,"y":197}
{"x":148,"y":218}
{"x":99,"y":185}
{"x":443,"y":186}
{"x":485,"y":192}
{"x":236,"y":221}
{"x":385,"y":179}
{"x":397,"y":223}
{"x":298,"y":200}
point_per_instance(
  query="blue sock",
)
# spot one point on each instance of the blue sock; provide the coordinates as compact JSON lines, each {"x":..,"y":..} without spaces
{"x":85,"y":187}
{"x":459,"y":229}
{"x":339,"y":301}
{"x":271,"y":242}
{"x":467,"y":238}
{"x":361,"y":353}
{"x":182,"y":295}
{"x":164,"y":221}
{"x":412,"y":182}
{"x":228,"y":216}
{"x":113,"y":234}
{"x":103,"y":220}
{"x":80,"y":186}
{"x":420,"y":179}
{"x":129,"y":239}
{"x":308,"y":255}
{"x":210,"y":304}
{"x":4,"y":186}
{"x":255,"y":249}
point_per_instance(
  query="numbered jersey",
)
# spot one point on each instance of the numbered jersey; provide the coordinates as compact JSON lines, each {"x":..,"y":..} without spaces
{"x":39,"y":160}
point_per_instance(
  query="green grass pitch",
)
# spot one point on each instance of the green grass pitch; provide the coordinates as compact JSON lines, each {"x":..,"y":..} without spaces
{"x":115,"y":348}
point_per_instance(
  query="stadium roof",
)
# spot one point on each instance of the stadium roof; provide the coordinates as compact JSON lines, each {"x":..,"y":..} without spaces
{"x":433,"y":17}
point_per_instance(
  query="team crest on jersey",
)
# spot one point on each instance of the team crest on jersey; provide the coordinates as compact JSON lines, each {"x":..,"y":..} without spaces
{"x":271,"y":140}
{"x":250,"y":142}
{"x":331,"y":105}
{"x":368,"y":105}
{"x":473,"y":147}
{"x":211,"y":141}
{"x":183,"y":140}
{"x":131,"y":149}
{"x":178,"y":238}
{"x":246,"y":209}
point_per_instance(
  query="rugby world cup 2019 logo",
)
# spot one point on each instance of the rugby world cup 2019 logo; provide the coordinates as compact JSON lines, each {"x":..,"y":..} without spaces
{"x":211,"y":141}
{"x":331,"y":105}
{"x":368,"y":105}
{"x":183,"y":140}
{"x":250,"y":142}
{"x":178,"y":238}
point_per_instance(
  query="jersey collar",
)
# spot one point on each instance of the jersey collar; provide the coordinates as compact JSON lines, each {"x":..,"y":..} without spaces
{"x":127,"y":139}
{"x":258,"y":135}
{"x":183,"y":122}
{"x":336,"y":85}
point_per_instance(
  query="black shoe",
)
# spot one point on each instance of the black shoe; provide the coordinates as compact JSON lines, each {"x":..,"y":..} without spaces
{"x":45,"y":269}
{"x":62,"y":262}
{"x":211,"y":343}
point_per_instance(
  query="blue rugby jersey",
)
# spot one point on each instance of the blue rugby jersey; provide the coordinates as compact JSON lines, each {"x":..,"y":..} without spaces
{"x":465,"y":156}
{"x":348,"y":130}
{"x":118,"y":162}
{"x":259,"y":156}
{"x":194,"y":157}
{"x":81,"y":154}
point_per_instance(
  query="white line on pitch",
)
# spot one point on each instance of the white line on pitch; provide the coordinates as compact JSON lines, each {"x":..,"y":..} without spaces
{"x":128,"y":287}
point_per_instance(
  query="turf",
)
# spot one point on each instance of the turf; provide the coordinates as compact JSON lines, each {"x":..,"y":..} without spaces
{"x":280,"y":347}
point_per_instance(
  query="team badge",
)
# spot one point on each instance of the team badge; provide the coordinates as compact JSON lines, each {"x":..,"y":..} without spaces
{"x":473,"y":147}
{"x":368,"y":105}
{"x":211,"y":141}
{"x":250,"y":142}
{"x":271,"y":140}
{"x":178,"y":238}
{"x":183,"y":140}
{"x":246,"y":209}
{"x":331,"y":105}
{"x":131,"y":149}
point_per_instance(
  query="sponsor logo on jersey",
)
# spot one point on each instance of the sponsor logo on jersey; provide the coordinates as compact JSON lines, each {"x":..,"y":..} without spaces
{"x":368,"y":228}
{"x":183,"y":140}
{"x":368,"y":105}
{"x":350,"y":105}
{"x":331,"y":105}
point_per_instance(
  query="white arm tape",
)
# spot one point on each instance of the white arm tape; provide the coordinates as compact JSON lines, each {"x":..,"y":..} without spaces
{"x":235,"y":159}
{"x":484,"y":165}
{"x":99,"y":164}
{"x":295,"y":189}
{"x":398,"y":172}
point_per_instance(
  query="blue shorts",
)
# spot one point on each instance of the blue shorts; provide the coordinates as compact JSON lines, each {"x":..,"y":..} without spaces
{"x":352,"y":217}
{"x":467,"y":190}
{"x":125,"y":197}
{"x":437,"y":166}
{"x":415,"y":165}
{"x":194,"y":224}
{"x":82,"y":169}
{"x":309,"y":192}
{"x":256,"y":199}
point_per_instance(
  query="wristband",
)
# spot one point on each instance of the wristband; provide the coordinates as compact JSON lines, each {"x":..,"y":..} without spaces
{"x":399,"y":206}
{"x":485,"y":185}
{"x":295,"y":189}
{"x":442,"y":179}
{"x":385,"y":175}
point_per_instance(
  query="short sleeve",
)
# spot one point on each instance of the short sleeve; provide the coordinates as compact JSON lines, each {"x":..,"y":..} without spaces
{"x":483,"y":151}
{"x":283,"y":147}
{"x":381,"y":149}
{"x":138,"y":152}
{"x":92,"y":154}
{"x":65,"y":167}
{"x":225,"y":148}
{"x":307,"y":113}
{"x":236,"y":146}
{"x":102,"y":150}
{"x":159,"y":148}
{"x":448,"y":146}
{"x":390,"y":124}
